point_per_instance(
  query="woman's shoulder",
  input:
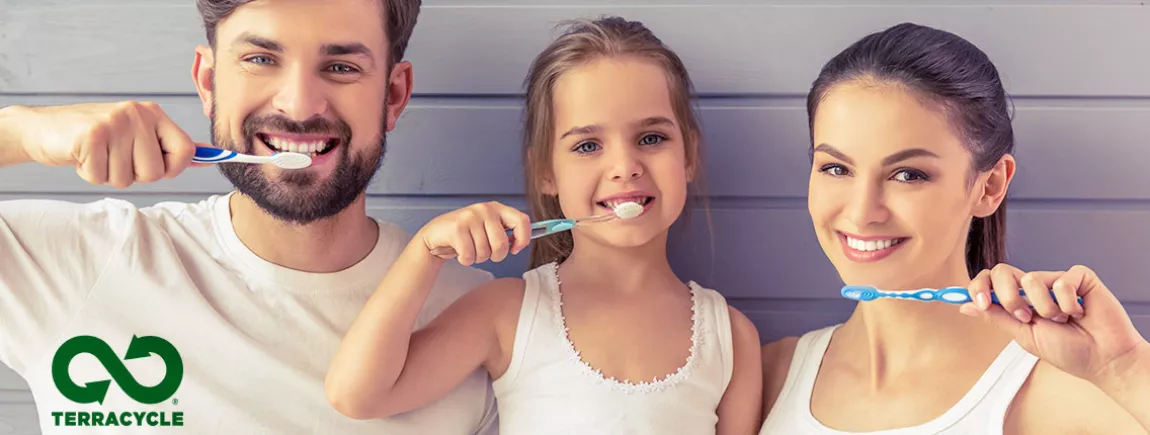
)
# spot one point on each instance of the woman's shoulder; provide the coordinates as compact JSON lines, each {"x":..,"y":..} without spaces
{"x":1053,"y":401}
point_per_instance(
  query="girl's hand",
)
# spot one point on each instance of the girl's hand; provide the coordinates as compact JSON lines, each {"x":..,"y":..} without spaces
{"x":478,"y":232}
{"x":1095,"y":341}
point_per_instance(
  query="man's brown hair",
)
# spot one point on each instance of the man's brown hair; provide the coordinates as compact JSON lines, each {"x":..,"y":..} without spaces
{"x":400,"y":16}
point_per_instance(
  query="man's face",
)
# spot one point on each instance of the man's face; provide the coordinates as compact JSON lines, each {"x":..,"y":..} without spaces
{"x":307,"y":77}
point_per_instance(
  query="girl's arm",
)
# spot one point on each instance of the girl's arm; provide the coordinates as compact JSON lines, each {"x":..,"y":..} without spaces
{"x":740,"y":411}
{"x":382,"y":367}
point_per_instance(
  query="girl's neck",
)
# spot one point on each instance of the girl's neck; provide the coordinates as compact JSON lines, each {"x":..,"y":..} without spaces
{"x":899,"y":335}
{"x":611,"y":268}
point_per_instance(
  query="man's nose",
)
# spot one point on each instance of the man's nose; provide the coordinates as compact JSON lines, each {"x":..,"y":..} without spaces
{"x":301,"y":96}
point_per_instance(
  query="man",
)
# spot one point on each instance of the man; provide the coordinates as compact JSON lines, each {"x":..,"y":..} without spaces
{"x":242,"y":298}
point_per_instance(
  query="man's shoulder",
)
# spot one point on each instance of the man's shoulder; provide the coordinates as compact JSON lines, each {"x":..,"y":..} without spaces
{"x":454,"y":280}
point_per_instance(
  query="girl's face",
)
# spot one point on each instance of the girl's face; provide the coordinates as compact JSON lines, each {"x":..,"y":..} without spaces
{"x":617,"y":139}
{"x":891,"y":188}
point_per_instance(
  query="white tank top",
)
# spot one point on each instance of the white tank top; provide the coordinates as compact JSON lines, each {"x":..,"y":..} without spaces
{"x":981,"y":411}
{"x":549,"y":389}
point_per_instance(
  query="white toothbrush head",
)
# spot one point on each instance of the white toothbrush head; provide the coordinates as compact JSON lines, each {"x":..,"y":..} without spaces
{"x":628,"y":210}
{"x":291,"y":160}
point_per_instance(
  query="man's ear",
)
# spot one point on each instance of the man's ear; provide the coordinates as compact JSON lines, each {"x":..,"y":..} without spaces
{"x":398,"y":92}
{"x":203,"y":72}
{"x":992,"y":186}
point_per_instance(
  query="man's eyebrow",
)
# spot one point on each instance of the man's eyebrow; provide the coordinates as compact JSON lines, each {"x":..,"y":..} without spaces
{"x":346,"y":49}
{"x":258,"y":41}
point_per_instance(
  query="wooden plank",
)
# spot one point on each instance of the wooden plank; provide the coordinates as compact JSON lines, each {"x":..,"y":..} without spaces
{"x":764,"y":48}
{"x":754,"y":148}
{"x":769,"y":250}
{"x":10,"y":380}
{"x":19,"y":419}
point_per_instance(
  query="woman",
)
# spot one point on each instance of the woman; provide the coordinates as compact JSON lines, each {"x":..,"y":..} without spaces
{"x":911,"y":161}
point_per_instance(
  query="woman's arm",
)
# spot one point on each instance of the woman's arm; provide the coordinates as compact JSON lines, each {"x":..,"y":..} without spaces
{"x":1127,"y":381}
{"x":740,"y":411}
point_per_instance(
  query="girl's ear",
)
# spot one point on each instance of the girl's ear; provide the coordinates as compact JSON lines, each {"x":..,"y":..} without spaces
{"x":992,"y":191}
{"x":547,"y":187}
{"x":693,"y":163}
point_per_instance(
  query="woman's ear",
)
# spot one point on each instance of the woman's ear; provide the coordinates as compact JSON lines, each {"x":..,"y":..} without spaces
{"x":992,"y":186}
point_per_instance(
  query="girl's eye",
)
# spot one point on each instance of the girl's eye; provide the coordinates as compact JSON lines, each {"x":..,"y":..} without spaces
{"x":652,"y":139}
{"x":834,"y":170}
{"x":586,"y":147}
{"x":910,"y":176}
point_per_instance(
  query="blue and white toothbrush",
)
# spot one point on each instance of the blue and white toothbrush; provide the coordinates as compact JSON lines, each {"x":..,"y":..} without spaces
{"x":950,"y":295}
{"x":284,"y":160}
{"x":626,"y":210}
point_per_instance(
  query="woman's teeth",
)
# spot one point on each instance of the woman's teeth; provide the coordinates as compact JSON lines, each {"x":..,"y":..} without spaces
{"x":871,"y":245}
{"x":312,"y":148}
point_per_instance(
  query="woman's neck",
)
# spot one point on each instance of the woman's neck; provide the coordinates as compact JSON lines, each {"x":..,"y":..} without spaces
{"x":596,"y":265}
{"x":897,"y":336}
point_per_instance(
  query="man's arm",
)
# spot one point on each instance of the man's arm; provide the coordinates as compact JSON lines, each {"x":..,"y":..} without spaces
{"x":11,"y":150}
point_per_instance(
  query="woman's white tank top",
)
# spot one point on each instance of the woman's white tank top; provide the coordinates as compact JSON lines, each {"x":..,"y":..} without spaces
{"x":981,"y":411}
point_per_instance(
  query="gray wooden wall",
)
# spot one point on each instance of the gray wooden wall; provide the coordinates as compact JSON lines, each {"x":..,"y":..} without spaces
{"x":1079,"y":72}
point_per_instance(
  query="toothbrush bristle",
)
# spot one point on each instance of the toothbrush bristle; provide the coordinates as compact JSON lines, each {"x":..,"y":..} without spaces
{"x":289,"y":160}
{"x":860,"y":292}
{"x":628,"y":210}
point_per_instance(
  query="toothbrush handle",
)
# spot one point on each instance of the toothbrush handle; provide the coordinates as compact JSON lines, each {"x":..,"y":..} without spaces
{"x":994,"y":298}
{"x":216,"y":155}
{"x":538,"y":229}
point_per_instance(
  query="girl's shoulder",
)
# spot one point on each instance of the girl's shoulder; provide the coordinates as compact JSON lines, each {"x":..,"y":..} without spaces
{"x":776,"y":358}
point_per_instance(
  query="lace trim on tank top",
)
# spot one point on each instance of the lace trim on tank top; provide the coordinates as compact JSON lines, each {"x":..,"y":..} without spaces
{"x":622,"y":385}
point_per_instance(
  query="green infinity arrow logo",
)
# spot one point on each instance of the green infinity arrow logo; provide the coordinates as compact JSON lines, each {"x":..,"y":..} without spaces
{"x":139,"y":347}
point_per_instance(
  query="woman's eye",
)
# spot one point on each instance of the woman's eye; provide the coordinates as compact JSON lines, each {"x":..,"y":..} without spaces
{"x":910,"y":175}
{"x":834,"y":169}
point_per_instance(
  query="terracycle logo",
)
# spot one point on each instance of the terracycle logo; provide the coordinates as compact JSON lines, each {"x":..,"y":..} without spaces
{"x":97,"y":391}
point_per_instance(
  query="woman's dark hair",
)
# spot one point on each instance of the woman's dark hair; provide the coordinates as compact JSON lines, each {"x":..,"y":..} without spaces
{"x":960,"y":79}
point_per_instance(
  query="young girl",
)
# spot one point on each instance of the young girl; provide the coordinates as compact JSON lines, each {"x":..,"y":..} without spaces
{"x":911,"y":144}
{"x":600,"y":336}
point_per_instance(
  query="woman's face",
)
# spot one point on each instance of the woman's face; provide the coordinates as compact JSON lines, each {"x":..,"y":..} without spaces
{"x":891,"y":188}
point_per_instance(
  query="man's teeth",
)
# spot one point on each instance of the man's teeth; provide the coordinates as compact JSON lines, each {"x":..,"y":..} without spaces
{"x":871,"y":245}
{"x":282,"y":145}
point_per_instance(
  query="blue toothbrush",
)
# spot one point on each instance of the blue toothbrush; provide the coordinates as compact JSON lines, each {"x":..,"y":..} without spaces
{"x":283,"y":160}
{"x":950,"y":295}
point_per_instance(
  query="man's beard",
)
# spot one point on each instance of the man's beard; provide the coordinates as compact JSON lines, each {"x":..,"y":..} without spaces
{"x":297,"y":197}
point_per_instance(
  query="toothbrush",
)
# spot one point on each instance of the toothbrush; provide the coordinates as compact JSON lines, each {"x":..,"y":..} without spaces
{"x":950,"y":295}
{"x":626,"y":210}
{"x":283,"y":160}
